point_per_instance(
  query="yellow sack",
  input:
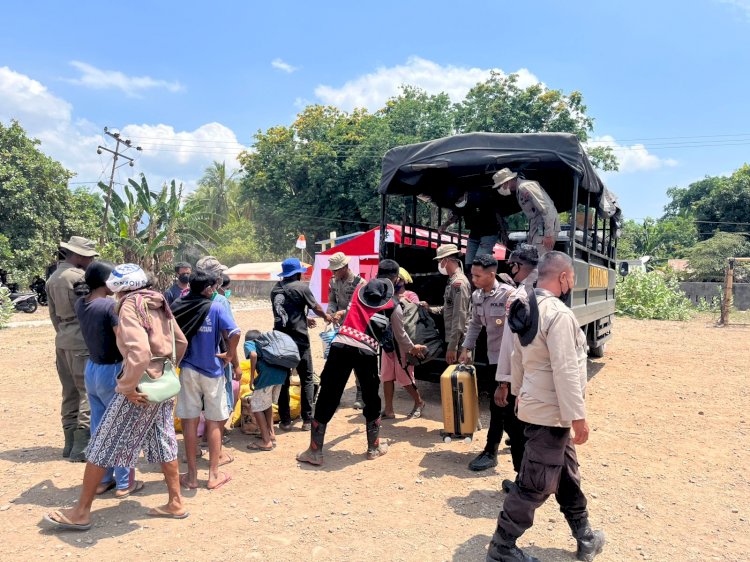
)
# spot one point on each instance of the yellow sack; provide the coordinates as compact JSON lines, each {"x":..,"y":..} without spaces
{"x":177,"y":421}
{"x":234,"y":419}
{"x":295,"y":404}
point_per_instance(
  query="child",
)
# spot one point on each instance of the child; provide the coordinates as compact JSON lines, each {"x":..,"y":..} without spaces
{"x":266,"y":391}
{"x":392,"y":369}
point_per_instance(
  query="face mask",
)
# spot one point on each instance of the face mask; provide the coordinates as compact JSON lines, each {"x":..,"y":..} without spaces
{"x":461,"y":203}
{"x":228,"y":293}
{"x":442,"y":269}
{"x":503,"y":190}
{"x":514,"y":269}
{"x":184,"y":278}
{"x":564,"y":294}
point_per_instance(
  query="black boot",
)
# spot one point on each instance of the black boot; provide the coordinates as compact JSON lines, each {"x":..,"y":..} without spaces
{"x":69,"y":432}
{"x":314,"y":453}
{"x":486,"y":459}
{"x":375,"y":448}
{"x":358,"y":402}
{"x":81,"y":438}
{"x":503,"y":549}
{"x":508,"y":485}
{"x":590,"y":542}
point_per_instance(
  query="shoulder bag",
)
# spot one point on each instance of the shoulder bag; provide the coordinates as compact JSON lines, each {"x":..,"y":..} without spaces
{"x":168,"y":384}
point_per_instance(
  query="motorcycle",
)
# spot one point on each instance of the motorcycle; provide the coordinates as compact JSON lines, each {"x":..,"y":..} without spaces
{"x":23,"y":302}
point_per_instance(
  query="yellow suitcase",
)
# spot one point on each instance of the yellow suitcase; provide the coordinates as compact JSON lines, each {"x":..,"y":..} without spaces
{"x":460,"y":399}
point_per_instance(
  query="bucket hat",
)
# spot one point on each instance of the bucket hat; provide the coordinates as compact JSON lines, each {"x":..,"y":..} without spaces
{"x":211,"y":265}
{"x":81,"y":246}
{"x":337,"y":261}
{"x":502,"y":176}
{"x":291,"y":266}
{"x":446,"y":250}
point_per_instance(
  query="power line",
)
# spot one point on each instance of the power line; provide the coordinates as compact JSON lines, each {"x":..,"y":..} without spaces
{"x":116,"y":154}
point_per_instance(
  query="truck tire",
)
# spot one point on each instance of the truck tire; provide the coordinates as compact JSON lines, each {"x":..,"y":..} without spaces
{"x":598,"y":350}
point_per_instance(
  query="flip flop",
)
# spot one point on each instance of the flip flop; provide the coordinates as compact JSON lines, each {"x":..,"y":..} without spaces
{"x":111,"y":484}
{"x":384,"y":416}
{"x":227,"y":478}
{"x":159,"y":512}
{"x":136,"y":487}
{"x":184,"y":484}
{"x":229,"y":460}
{"x":258,"y":447}
{"x":64,"y":523}
{"x":417,"y":411}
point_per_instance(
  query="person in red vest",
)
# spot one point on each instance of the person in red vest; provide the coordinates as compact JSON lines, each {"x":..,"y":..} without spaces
{"x":374,"y":319}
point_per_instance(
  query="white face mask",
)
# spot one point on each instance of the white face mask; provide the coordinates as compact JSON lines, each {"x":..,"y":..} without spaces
{"x":504,"y":190}
{"x":442,"y":269}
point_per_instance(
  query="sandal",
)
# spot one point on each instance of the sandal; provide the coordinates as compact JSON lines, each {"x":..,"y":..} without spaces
{"x":137,"y":486}
{"x":384,"y":416}
{"x":107,"y":487}
{"x":258,"y":447}
{"x":61,"y":521}
{"x":417,"y":411}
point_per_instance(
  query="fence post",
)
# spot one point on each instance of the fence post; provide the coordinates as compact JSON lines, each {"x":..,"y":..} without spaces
{"x":726,"y":304}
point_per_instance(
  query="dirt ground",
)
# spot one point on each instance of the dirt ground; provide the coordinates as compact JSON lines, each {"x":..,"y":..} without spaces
{"x":666,"y":470}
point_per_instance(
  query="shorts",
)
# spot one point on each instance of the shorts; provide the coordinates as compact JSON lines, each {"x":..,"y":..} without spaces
{"x":391,"y":370}
{"x":199,"y":393}
{"x":263,"y":398}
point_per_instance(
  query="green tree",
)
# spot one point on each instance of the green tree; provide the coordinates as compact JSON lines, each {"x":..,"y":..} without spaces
{"x":151,"y":226}
{"x":664,"y":238}
{"x":217,"y":196}
{"x":500,"y":105}
{"x":236,"y":242}
{"x":717,"y":202}
{"x":34,"y":195}
{"x":83,"y":215}
{"x":708,"y":258}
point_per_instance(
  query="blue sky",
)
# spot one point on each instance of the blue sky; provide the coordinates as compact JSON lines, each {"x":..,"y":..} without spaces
{"x":666,"y":81}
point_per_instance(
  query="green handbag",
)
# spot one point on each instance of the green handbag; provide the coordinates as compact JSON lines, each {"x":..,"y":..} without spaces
{"x":168,"y":384}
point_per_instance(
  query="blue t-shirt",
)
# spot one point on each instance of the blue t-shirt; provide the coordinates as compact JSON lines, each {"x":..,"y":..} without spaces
{"x":268,"y":375}
{"x":202,"y":349}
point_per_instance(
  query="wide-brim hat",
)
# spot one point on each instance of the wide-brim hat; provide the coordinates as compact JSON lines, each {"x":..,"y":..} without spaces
{"x":502,"y":176}
{"x":337,"y":261}
{"x":446,"y":250}
{"x":211,"y":265}
{"x":291,"y":266}
{"x":376,"y":293}
{"x":81,"y":246}
{"x":523,"y":318}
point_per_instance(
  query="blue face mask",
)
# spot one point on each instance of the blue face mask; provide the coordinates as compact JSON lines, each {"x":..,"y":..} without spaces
{"x":228,"y":293}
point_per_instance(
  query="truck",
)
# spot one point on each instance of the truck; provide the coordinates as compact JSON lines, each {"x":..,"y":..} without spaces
{"x":419,"y":183}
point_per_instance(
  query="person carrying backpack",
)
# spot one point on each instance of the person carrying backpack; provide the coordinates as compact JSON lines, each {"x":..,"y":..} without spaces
{"x":372,"y":312}
{"x":393,"y":364}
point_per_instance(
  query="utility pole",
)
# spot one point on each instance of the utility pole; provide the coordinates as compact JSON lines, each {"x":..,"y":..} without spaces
{"x":116,"y":154}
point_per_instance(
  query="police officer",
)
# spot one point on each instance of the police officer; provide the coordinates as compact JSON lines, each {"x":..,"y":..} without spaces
{"x":523,"y":262}
{"x":548,"y":368}
{"x":70,"y":349}
{"x":544,"y":222}
{"x":488,"y":310}
{"x":340,"y":291}
{"x":456,"y":299}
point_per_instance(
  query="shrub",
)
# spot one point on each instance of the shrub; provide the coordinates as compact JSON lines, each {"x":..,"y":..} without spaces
{"x":6,"y":307}
{"x":652,"y":296}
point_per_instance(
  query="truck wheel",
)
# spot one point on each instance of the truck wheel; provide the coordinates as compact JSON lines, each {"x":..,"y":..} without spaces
{"x":597,"y":351}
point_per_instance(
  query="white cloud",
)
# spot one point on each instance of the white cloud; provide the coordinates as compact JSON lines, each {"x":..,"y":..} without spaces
{"x":283,"y":66}
{"x":98,"y":79}
{"x":167,"y":153}
{"x":634,"y":157}
{"x":742,"y":6}
{"x":29,"y":101}
{"x":373,"y":89}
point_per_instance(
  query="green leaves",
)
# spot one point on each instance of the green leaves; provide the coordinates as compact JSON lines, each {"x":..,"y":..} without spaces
{"x":652,"y":296}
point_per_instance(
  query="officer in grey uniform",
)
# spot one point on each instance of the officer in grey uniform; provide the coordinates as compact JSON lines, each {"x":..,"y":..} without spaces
{"x":544,"y":222}
{"x":456,"y":299}
{"x":523,"y":261}
{"x":548,"y":377}
{"x":488,"y":311}
{"x":340,"y":291}
{"x":70,"y":349}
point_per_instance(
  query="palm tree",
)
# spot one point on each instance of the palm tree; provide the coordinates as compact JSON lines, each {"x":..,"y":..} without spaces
{"x":218,"y":195}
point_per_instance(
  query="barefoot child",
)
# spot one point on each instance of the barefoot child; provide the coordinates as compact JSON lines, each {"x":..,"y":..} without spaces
{"x":266,"y":391}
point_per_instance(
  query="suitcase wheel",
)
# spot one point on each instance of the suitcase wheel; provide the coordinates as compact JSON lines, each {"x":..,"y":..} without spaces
{"x":447,"y":439}
{"x":467,"y":440}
